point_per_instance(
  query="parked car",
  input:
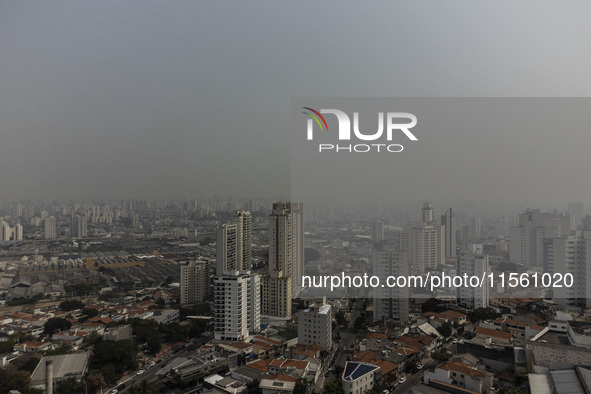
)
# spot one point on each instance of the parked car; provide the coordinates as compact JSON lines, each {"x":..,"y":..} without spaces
{"x":402,"y":380}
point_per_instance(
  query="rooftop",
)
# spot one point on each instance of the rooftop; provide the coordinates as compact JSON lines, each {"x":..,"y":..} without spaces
{"x":355,"y":370}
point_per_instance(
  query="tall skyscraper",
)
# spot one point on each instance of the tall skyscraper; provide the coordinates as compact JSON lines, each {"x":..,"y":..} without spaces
{"x":427,"y":213}
{"x":578,"y":210}
{"x":237,"y":301}
{"x":195,"y":286}
{"x":424,"y":242}
{"x":5,"y":232}
{"x":78,"y":226}
{"x":17,"y":233}
{"x":475,"y":228}
{"x":243,"y":222}
{"x":297,"y":243}
{"x":229,"y":250}
{"x":473,"y":265}
{"x":390,"y":302}
{"x":277,"y":285}
{"x":280,"y":240}
{"x":377,"y":231}
{"x":50,"y":228}
{"x":448,"y":225}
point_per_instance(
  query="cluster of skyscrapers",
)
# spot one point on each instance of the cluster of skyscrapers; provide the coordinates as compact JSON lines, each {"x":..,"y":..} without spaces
{"x":240,"y":296}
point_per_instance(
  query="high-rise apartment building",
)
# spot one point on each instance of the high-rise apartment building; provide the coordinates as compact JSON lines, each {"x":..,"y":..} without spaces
{"x":228,"y":249}
{"x":236,"y":306}
{"x":448,"y":227}
{"x":424,"y":242}
{"x":578,"y":211}
{"x":78,"y":226}
{"x":571,"y":255}
{"x":277,"y":285}
{"x":377,"y":231}
{"x":315,"y":325}
{"x":5,"y":232}
{"x":50,"y":228}
{"x":17,"y":232}
{"x":195,"y":286}
{"x":243,"y":222}
{"x":475,"y":228}
{"x":390,"y":302}
{"x":237,"y":297}
{"x":474,"y":297}
{"x":527,"y":240}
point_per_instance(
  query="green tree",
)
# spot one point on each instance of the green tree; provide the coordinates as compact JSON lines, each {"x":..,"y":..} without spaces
{"x":440,"y":357}
{"x":431,"y":305}
{"x":301,"y":387}
{"x":71,"y":305}
{"x":68,"y":386}
{"x":333,"y":387}
{"x":146,"y":387}
{"x":121,"y":354}
{"x":13,"y":379}
{"x":56,"y":324}
{"x":376,"y":389}
{"x":147,"y":331}
{"x":341,"y":319}
{"x":253,"y":387}
{"x":95,"y":381}
{"x":92,"y":338}
{"x":410,"y":366}
{"x":6,"y":346}
{"x":510,"y":390}
{"x":482,"y":314}
{"x":109,"y":373}
{"x":359,"y":323}
{"x":445,"y":329}
{"x":30,"y":364}
{"x":89,"y":312}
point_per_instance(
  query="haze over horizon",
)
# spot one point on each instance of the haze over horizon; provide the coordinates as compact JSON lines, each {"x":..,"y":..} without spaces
{"x":143,"y":99}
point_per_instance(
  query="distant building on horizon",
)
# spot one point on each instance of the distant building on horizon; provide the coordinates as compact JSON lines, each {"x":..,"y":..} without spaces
{"x":79,"y":226}
{"x":50,"y":227}
{"x":527,"y":240}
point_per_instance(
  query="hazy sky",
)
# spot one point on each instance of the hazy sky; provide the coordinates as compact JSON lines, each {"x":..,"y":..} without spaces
{"x":151,"y":99}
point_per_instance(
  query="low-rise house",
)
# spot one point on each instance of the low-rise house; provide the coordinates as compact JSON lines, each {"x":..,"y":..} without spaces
{"x":33,"y":347}
{"x":494,"y":337}
{"x":452,"y":374}
{"x":455,"y":317}
{"x":359,"y":378}
{"x":278,"y":384}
